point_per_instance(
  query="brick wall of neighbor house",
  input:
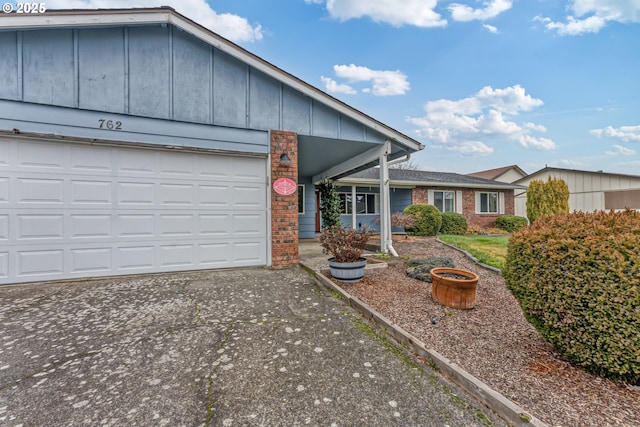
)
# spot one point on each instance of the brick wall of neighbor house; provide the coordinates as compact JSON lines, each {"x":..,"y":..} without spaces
{"x":420,"y":195}
{"x":284,"y":209}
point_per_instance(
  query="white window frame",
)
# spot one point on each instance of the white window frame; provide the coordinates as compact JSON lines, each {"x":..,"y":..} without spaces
{"x":499,"y":203}
{"x":347,"y":204}
{"x":453,"y":199}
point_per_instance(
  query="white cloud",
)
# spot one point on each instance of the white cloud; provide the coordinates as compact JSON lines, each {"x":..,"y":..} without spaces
{"x":419,"y":13}
{"x":487,"y":115}
{"x":590,"y":16}
{"x":334,"y":87}
{"x":619,"y":150}
{"x":383,"y":83}
{"x":623,"y":133}
{"x":491,"y":28}
{"x":493,"y":8}
{"x":231,"y":26}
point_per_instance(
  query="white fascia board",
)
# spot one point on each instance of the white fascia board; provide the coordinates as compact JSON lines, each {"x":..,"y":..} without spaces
{"x":107,"y":17}
{"x":361,"y":159}
{"x":413,"y":184}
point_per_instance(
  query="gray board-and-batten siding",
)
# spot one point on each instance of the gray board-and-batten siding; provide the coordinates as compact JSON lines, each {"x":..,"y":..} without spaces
{"x":153,"y":72}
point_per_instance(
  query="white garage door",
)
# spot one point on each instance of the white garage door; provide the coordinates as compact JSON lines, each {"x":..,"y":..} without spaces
{"x":73,"y":210}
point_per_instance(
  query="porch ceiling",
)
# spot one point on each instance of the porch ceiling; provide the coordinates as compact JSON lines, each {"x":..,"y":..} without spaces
{"x":317,"y":154}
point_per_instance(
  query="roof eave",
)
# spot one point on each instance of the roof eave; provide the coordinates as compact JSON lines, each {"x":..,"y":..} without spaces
{"x":411,"y":184}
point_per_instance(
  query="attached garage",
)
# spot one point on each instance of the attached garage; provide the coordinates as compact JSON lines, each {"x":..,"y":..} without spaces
{"x":80,"y":209}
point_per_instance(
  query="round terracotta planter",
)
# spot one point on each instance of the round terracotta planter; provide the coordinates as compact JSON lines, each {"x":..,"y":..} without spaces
{"x":348,"y":271}
{"x":454,"y":293}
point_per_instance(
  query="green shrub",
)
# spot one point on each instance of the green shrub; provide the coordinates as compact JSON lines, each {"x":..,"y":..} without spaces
{"x":547,"y":198}
{"x":427,"y":219}
{"x":511,"y":223}
{"x":453,"y":223}
{"x":577,"y":278}
{"x":329,"y":204}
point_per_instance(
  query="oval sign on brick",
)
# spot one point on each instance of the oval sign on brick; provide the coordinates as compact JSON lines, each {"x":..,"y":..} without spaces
{"x":284,"y":186}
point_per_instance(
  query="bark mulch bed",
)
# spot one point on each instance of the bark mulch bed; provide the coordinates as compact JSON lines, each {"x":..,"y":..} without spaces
{"x":494,"y":342}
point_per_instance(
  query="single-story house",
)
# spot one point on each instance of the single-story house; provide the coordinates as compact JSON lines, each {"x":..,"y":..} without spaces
{"x":137,"y":141}
{"x":480,"y":200}
{"x":588,"y":191}
{"x":504,"y":174}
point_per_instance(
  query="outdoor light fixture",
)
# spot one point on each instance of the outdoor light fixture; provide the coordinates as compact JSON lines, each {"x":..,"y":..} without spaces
{"x":284,"y":158}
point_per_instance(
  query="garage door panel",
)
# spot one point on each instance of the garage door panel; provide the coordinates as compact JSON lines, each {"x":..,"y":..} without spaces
{"x":177,"y":256}
{"x":41,"y":155}
{"x":248,"y":197}
{"x":177,"y":194}
{"x":4,"y":227}
{"x":135,"y":225}
{"x":136,"y":257}
{"x":176,"y":225}
{"x":136,"y":193}
{"x":90,"y":226}
{"x":91,"y":192}
{"x":70,"y":210}
{"x":91,"y":260}
{"x":91,"y":159}
{"x":40,"y":190}
{"x":4,"y":190}
{"x":215,"y":224}
{"x":40,"y":227}
{"x":4,"y":265}
{"x":40,"y":263}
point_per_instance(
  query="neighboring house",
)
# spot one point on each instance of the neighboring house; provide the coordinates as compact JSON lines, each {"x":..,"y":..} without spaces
{"x":480,"y":200}
{"x":136,"y":141}
{"x":505,"y":174}
{"x":588,"y":191}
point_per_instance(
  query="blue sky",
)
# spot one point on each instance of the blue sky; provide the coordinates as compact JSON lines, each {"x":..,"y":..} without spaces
{"x":481,"y":83}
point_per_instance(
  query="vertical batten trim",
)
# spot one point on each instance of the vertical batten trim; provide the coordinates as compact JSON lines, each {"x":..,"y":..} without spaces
{"x":281,"y":107}
{"x":76,"y":68}
{"x":310,"y":116}
{"x":19,"y":48}
{"x":211,"y":86}
{"x":247,"y":110}
{"x":125,"y":41}
{"x":170,"y":65}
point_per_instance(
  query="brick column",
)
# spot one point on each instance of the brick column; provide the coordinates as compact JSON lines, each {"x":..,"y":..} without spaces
{"x":284,"y":209}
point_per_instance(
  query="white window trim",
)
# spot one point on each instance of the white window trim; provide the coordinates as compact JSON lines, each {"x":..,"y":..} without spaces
{"x":500,"y":207}
{"x":354,"y":195}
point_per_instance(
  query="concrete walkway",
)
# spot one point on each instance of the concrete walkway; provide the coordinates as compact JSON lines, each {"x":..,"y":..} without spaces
{"x":254,"y":347}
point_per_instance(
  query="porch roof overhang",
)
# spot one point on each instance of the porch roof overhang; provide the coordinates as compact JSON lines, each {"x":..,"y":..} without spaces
{"x":413,"y":184}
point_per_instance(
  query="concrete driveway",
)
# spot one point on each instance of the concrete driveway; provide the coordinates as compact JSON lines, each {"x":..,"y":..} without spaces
{"x":230,"y":348}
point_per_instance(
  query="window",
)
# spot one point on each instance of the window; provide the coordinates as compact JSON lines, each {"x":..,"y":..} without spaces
{"x":488,"y":202}
{"x":301,"y":199}
{"x":366,"y":203}
{"x":444,"y":200}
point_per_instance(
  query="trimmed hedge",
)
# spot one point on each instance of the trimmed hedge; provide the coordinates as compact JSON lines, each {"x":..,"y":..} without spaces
{"x":577,"y":278}
{"x":453,"y":223}
{"x":511,"y":223}
{"x":427,"y":219}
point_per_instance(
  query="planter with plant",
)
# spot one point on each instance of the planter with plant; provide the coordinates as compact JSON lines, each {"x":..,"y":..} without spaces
{"x":347,"y":247}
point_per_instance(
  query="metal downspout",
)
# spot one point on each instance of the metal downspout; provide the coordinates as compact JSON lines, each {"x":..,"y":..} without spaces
{"x":386,"y":244}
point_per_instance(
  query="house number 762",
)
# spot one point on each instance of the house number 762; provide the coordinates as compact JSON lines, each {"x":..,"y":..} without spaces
{"x":110,"y":124}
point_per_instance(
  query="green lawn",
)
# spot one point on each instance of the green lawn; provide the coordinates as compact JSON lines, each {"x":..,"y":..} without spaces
{"x":490,"y":250}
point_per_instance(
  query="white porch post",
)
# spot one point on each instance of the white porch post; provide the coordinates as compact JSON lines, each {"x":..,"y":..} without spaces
{"x":354,"y":218}
{"x":385,"y":204}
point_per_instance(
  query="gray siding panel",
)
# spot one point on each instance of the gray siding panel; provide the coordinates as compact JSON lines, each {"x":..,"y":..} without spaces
{"x":349,"y":129}
{"x":9,"y":89}
{"x":149,"y":83}
{"x":191,"y":79}
{"x":48,"y":67}
{"x":229,"y":91}
{"x":101,"y":58}
{"x":264,"y":102}
{"x":296,"y":112}
{"x":325,"y":121}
